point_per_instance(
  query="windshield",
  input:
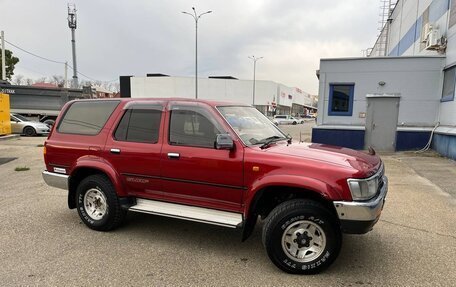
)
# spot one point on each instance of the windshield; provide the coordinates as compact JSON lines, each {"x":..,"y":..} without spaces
{"x":251,"y":125}
{"x":21,"y":118}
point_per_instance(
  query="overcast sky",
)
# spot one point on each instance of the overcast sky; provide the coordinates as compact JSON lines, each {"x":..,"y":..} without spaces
{"x":152,"y":36}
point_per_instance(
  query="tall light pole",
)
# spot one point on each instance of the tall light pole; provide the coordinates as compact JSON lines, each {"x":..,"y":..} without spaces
{"x":255,"y":59}
{"x":3,"y":56}
{"x":196,"y":17}
{"x":72,"y":26}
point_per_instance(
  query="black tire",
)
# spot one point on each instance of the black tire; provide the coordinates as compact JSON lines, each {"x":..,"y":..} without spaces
{"x":101,"y":186}
{"x":294,"y":214}
{"x":294,"y":123}
{"x":29,"y":131}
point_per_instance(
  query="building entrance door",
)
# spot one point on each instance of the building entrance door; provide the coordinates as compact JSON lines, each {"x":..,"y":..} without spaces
{"x":381,"y":121}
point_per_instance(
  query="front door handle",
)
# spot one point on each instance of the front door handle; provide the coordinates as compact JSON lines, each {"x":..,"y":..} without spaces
{"x":115,"y":150}
{"x":173,"y":155}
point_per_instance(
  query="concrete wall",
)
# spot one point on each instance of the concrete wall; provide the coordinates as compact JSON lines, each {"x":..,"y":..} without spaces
{"x":408,"y":20}
{"x":418,"y":80}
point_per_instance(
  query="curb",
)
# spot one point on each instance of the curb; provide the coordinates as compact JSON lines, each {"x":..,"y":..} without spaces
{"x":9,"y":137}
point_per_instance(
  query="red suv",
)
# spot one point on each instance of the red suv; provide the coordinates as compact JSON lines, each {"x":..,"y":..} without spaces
{"x":217,"y":163}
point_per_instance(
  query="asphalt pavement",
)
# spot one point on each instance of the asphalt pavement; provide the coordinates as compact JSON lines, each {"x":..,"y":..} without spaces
{"x":43,"y":243}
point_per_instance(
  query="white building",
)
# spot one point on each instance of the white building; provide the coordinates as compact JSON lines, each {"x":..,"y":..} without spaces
{"x":269,"y":96}
{"x":409,"y":77}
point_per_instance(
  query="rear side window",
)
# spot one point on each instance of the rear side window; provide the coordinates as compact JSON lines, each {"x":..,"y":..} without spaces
{"x":139,"y":125}
{"x":87,"y":117}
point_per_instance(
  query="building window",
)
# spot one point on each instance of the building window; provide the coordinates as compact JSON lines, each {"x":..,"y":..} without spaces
{"x":341,"y":99}
{"x":449,"y":76}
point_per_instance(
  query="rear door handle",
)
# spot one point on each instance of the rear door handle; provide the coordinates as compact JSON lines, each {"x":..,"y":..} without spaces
{"x":115,"y":150}
{"x":173,"y":155}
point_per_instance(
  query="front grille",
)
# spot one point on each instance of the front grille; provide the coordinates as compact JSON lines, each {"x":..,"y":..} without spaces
{"x":380,"y":177}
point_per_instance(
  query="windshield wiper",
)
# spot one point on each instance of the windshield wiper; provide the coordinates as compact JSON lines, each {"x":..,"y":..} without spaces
{"x":269,"y":140}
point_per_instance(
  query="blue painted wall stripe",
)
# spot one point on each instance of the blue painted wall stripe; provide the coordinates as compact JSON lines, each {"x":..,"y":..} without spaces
{"x":418,"y":25}
{"x":346,"y":138}
{"x":436,"y":10}
{"x":445,"y":145}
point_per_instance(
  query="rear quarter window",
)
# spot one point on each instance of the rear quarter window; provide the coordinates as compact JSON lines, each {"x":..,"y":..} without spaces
{"x":86,"y":117}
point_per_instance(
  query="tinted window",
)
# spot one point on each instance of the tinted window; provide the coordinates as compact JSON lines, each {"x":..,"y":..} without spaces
{"x":281,"y":117}
{"x":192,"y":128}
{"x":139,"y":125}
{"x":86,"y":117}
{"x":449,"y":78}
{"x":341,"y":100}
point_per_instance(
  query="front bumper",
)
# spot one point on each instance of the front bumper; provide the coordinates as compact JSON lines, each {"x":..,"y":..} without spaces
{"x":55,"y":179}
{"x":43,"y":131}
{"x":359,"y":217}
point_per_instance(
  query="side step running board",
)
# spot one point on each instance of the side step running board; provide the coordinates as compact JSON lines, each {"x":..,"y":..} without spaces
{"x":192,"y":213}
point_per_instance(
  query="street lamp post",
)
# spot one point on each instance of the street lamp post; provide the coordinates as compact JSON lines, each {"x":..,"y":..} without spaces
{"x":196,"y":17}
{"x":255,"y":59}
{"x":72,"y":25}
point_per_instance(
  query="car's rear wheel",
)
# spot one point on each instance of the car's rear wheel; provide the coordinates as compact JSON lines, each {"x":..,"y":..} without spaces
{"x":301,"y":237}
{"x":29,"y":131}
{"x":97,"y":203}
{"x":294,"y":122}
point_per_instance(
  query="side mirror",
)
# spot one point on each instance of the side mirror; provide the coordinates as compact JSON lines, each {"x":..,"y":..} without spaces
{"x":224,"y":141}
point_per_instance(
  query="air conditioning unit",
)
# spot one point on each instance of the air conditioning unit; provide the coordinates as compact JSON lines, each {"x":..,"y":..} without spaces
{"x":428,"y":27}
{"x":433,"y":41}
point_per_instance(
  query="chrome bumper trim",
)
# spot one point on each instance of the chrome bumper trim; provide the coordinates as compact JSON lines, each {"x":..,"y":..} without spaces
{"x":363,"y":210}
{"x":55,"y":179}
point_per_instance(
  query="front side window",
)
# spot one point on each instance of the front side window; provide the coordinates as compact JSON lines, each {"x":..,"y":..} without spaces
{"x":192,"y":127}
{"x":449,"y":76}
{"x":139,"y":125}
{"x":86,"y":117}
{"x":251,"y":125}
{"x":341,"y":99}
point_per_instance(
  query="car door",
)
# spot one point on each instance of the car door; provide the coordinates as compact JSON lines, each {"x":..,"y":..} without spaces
{"x":289,"y":120}
{"x":134,"y":147}
{"x":193,"y":171}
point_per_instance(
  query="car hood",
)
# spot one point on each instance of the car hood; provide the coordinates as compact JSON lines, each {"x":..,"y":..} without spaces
{"x":363,"y":162}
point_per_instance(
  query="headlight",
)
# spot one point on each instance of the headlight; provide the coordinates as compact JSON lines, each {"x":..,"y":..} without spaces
{"x":363,"y":189}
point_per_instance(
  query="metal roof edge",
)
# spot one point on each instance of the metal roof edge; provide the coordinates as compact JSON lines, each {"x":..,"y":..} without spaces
{"x":382,"y":58}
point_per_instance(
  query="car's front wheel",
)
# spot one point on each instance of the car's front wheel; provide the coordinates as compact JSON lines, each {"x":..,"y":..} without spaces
{"x":301,"y":237}
{"x":29,"y":131}
{"x":97,"y":203}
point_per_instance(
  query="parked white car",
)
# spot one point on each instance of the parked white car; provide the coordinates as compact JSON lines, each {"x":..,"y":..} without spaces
{"x":286,"y":120}
{"x":22,"y":125}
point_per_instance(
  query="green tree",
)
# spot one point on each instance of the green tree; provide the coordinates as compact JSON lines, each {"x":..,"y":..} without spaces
{"x":10,"y":62}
